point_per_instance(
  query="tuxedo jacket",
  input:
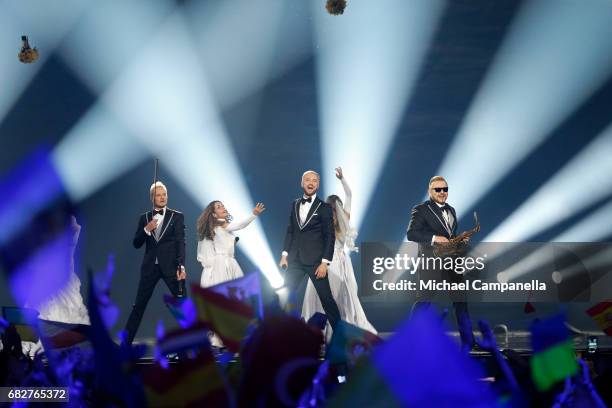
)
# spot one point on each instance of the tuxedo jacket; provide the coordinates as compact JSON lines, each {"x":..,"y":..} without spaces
{"x":314,"y":240}
{"x":426,"y":220}
{"x":169,"y":249}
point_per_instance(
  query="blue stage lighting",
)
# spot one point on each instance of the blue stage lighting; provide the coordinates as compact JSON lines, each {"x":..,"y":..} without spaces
{"x":367,"y":63}
{"x":555,"y":56}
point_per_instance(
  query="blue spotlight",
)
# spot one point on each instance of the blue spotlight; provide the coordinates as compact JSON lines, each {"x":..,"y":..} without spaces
{"x":578,"y":184}
{"x":594,"y":227}
{"x":367,"y":64}
{"x":95,"y":151}
{"x":556,"y":55}
{"x":118,"y":28}
{"x":278,"y":39}
{"x":164,"y":100}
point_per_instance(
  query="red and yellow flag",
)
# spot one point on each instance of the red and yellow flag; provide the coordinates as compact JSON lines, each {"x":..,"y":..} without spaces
{"x":229,"y":318}
{"x":190,"y":383}
{"x":602,"y":314}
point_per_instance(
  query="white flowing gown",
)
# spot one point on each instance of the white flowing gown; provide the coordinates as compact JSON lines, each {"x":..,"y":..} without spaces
{"x":217,"y":256}
{"x":67,"y":305}
{"x":342,"y":283}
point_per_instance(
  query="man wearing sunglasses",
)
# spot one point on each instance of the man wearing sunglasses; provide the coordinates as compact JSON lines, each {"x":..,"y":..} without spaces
{"x":435,"y":222}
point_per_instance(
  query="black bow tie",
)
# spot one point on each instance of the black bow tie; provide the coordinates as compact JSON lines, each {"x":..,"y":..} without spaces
{"x":160,"y":212}
{"x":444,"y":208}
{"x":306,"y":200}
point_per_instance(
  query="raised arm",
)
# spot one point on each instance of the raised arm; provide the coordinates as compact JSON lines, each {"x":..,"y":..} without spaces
{"x":347,"y":191}
{"x":348,"y":196}
{"x":235,"y":226}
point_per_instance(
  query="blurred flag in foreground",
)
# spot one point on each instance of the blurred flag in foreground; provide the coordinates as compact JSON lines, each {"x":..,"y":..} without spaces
{"x":553,"y":357}
{"x":419,"y":366}
{"x":602,"y":314}
{"x":229,"y":318}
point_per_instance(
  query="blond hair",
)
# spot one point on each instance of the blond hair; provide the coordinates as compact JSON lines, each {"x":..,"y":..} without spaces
{"x":313,"y":172}
{"x":436,"y":178}
{"x":157,"y":184}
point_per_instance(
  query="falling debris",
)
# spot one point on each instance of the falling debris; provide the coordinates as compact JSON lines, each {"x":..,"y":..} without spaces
{"x":27,"y":55}
{"x":335,"y":7}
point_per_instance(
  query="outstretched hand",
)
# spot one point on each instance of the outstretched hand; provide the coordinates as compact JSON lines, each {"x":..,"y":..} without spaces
{"x":259,"y":208}
{"x":339,"y":173}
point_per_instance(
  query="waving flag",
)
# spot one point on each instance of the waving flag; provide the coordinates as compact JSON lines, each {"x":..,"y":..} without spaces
{"x":229,"y":318}
{"x":553,"y":357}
{"x":602,"y":314}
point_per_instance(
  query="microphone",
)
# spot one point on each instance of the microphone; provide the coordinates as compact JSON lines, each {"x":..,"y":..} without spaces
{"x":181,"y":284}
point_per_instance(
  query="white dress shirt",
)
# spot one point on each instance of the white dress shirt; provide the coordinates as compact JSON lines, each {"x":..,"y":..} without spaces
{"x":160,"y":221}
{"x":447,"y":219}
{"x":305,"y":208}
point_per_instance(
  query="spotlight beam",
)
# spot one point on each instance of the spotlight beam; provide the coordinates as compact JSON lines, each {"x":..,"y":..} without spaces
{"x":278,"y":39}
{"x":367,"y":63}
{"x":577,"y":185}
{"x":95,"y":151}
{"x":155,"y":98}
{"x":555,"y":56}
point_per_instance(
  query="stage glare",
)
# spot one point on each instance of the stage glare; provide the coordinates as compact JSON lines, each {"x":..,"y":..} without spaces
{"x":98,"y":51}
{"x":99,"y":148}
{"x":95,"y":151}
{"x":593,"y":228}
{"x":580,"y":183}
{"x":367,"y":63}
{"x":555,"y":56}
{"x":278,"y":34}
{"x":45,"y":23}
{"x":164,"y":99}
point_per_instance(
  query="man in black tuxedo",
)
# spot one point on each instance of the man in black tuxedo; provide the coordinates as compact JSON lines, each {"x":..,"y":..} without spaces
{"x":309,"y":244}
{"x":163,"y":231}
{"x":435,"y":222}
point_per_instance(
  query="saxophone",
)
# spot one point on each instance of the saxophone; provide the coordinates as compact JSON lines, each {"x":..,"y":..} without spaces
{"x":456,"y":245}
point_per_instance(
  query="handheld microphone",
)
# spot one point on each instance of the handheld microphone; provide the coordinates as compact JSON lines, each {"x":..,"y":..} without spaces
{"x":181,"y":284}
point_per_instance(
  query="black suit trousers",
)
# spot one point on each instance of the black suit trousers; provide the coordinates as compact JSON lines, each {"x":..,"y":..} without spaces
{"x":295,"y":276}
{"x":146,"y":286}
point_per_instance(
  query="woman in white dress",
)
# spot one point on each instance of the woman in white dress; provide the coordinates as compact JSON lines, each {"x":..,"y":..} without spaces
{"x":216,"y":243}
{"x":340,"y":273}
{"x":67,"y":304}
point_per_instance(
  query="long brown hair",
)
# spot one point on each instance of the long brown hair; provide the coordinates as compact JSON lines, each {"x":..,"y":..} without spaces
{"x":331,"y":200}
{"x":207,"y":222}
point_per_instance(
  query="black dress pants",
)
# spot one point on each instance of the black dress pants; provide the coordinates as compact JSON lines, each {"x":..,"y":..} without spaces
{"x":146,"y":286}
{"x":295,"y":276}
